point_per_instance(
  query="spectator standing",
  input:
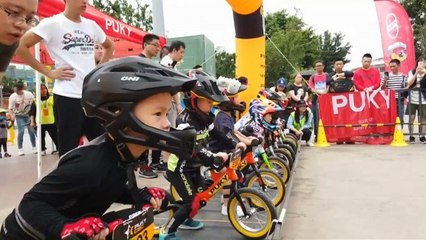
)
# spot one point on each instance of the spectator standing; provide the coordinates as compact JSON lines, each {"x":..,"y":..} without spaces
{"x":417,"y":98}
{"x":99,"y":53}
{"x":341,"y":81}
{"x":19,"y":108}
{"x":3,"y":132}
{"x":47,"y":118}
{"x":367,"y":78}
{"x":176,"y":54}
{"x":151,"y":48}
{"x":16,"y":18}
{"x":70,"y":40}
{"x":297,"y":90}
{"x":396,"y":80}
{"x":318,"y":83}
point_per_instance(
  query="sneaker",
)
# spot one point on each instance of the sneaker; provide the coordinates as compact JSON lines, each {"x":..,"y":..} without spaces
{"x":7,"y":155}
{"x":34,"y":150}
{"x":43,"y":153}
{"x":21,"y":152}
{"x":309,"y":144}
{"x":168,"y":236}
{"x":146,"y":172}
{"x":412,"y":139}
{"x":224,"y":211}
{"x":191,"y":225}
{"x":159,"y":167}
{"x":422,"y":139}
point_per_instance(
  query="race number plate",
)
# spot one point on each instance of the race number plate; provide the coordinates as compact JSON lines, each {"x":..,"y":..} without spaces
{"x":139,"y":226}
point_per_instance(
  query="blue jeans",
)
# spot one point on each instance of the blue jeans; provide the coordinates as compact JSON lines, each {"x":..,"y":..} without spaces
{"x":24,"y":122}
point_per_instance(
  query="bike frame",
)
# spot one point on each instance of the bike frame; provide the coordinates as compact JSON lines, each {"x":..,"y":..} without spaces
{"x":219,"y":180}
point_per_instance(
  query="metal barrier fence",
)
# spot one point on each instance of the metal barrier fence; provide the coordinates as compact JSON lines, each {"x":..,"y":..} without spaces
{"x":416,"y":108}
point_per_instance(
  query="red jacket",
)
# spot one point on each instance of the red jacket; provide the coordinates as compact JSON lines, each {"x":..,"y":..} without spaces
{"x":367,"y":78}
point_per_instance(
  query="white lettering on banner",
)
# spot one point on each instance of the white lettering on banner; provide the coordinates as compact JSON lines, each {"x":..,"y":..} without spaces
{"x":341,"y":101}
{"x":392,"y":26}
{"x":117,"y":27}
{"x":336,"y":105}
{"x":352,"y":103}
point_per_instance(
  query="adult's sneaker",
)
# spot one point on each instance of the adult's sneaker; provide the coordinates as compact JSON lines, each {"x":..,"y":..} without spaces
{"x":422,"y":139}
{"x":21,"y":152}
{"x":159,"y":167}
{"x":412,"y":139}
{"x":7,"y":155}
{"x":190,"y":224}
{"x":146,"y":172}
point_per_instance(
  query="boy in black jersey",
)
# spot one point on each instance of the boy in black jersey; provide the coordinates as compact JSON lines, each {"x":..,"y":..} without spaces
{"x":131,"y":96}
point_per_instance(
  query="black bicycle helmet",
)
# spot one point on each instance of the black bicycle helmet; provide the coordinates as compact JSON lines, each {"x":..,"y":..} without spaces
{"x":111,"y":91}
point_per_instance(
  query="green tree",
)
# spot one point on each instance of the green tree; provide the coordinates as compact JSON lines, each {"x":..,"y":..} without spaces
{"x":225,"y":64}
{"x":416,"y":10}
{"x":138,"y":15}
{"x":332,"y":48}
{"x":9,"y":84}
{"x":297,"y":42}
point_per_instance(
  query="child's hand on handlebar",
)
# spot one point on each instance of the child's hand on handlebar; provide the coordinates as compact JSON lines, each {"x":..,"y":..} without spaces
{"x":223,"y":155}
{"x":242,"y":145}
{"x":157,"y":196}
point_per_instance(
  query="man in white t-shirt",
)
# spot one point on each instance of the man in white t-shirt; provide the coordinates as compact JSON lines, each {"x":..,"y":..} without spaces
{"x":176,"y":54}
{"x":70,"y":40}
{"x":19,"y":107}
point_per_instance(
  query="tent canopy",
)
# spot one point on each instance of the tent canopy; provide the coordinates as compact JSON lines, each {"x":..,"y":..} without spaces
{"x":127,"y":39}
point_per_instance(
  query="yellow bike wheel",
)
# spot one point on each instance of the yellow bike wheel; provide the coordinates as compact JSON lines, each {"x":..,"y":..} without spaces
{"x":279,"y":166}
{"x":261,"y":214}
{"x":272,"y":182}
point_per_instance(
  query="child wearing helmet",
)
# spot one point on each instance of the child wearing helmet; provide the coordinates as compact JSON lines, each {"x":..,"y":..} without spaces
{"x":224,"y":137}
{"x":300,"y":122}
{"x":131,"y":97}
{"x":263,"y":115}
{"x":4,"y":125}
{"x":184,"y":173}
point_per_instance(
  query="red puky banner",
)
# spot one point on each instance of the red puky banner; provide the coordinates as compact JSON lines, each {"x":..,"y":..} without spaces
{"x":358,"y":116}
{"x":397,"y":34}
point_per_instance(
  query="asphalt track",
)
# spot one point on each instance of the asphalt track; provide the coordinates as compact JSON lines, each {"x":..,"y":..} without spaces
{"x":340,"y":192}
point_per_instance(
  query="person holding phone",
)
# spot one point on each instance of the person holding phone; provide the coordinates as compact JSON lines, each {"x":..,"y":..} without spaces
{"x":396,"y":80}
{"x":417,"y":98}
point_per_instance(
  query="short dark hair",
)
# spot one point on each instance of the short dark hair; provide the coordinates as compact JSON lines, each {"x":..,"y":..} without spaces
{"x":19,"y":86}
{"x":339,"y":59}
{"x":396,"y":61}
{"x":367,"y":55}
{"x":421,"y":58}
{"x":319,"y":61}
{"x":149,"y":37}
{"x":176,"y":45}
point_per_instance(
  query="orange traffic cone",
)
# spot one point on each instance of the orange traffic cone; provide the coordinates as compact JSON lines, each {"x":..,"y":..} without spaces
{"x":321,"y":139}
{"x":398,"y":135}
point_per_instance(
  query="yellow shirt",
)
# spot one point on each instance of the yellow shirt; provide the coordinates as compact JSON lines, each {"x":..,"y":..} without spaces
{"x":47,"y":116}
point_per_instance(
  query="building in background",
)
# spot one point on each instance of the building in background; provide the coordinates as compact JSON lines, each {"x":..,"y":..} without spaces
{"x":199,"y":50}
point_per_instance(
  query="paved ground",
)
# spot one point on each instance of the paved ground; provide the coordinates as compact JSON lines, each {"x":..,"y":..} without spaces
{"x":359,"y":192}
{"x":340,"y":192}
